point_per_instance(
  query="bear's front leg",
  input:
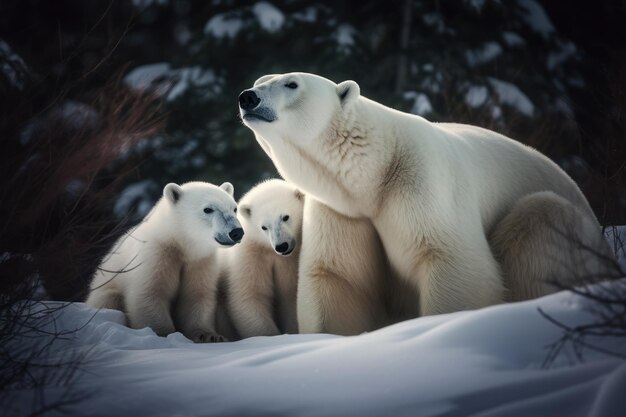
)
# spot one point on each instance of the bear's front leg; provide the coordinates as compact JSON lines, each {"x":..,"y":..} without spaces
{"x":153,"y":289}
{"x":196,"y":303}
{"x":287,"y":293}
{"x":149,"y":304}
{"x":251,"y":301}
{"x":253,"y":316}
{"x":342,"y":273}
{"x":153,"y":313}
{"x":461,"y":274}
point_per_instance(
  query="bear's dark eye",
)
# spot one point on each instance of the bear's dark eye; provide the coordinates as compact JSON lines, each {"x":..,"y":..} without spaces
{"x":208,"y":210}
{"x":285,"y":218}
{"x":291,"y":85}
{"x":263,"y":228}
{"x":235,"y":209}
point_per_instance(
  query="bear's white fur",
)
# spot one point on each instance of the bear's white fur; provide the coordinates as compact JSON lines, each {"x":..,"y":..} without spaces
{"x":262,"y":272}
{"x":463,"y":213}
{"x":163,"y":273}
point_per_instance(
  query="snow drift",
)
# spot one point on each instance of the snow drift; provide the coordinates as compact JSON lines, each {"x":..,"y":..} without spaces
{"x":487,"y":362}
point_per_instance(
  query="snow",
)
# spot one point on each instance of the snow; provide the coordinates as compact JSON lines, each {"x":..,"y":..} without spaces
{"x":476,"y":4}
{"x":162,"y":79}
{"x":183,"y":34}
{"x":562,"y":105}
{"x":421,"y":102}
{"x":270,"y":18}
{"x":308,"y":15}
{"x":566,"y":50}
{"x":223,"y":26}
{"x":486,"y":362}
{"x":496,"y":112}
{"x":193,"y":76}
{"x":12,"y":65}
{"x":345,"y":35}
{"x":137,"y":196}
{"x":506,"y":93}
{"x":229,"y":25}
{"x":536,"y":17}
{"x":487,"y":52}
{"x":512,"y":39}
{"x":76,"y":115}
{"x":143,"y":4}
{"x":434,"y":20}
{"x":148,"y":76}
{"x":70,"y":114}
{"x":511,"y":95}
{"x":476,"y":95}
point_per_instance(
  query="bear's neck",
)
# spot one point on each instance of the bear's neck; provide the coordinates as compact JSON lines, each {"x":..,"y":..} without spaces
{"x":355,"y":151}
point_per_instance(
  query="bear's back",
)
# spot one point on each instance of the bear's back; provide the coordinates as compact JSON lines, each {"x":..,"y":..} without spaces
{"x":503,"y":170}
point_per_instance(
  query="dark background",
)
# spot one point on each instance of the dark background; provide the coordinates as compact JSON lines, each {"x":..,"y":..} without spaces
{"x":551,"y":74}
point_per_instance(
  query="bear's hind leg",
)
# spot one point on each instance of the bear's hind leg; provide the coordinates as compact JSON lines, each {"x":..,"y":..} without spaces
{"x":460,"y":274}
{"x":545,"y":239}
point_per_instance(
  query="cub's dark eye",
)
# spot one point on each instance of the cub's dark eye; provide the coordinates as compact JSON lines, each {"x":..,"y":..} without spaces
{"x":291,"y":85}
{"x":208,"y":210}
{"x":263,"y":228}
{"x":285,"y":218}
{"x":235,"y":209}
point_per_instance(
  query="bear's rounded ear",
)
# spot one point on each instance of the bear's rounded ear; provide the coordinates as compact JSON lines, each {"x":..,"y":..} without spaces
{"x":264,"y":78}
{"x":348,"y":92}
{"x":245,"y":210}
{"x":228,"y":187}
{"x":173,"y":192}
{"x":299,"y":195}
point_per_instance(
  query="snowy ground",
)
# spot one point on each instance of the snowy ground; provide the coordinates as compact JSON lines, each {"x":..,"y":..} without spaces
{"x":486,"y":362}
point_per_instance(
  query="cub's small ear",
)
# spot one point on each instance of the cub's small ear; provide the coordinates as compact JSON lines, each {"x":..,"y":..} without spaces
{"x":264,"y":78}
{"x":245,"y":210}
{"x":348,"y":92}
{"x":173,"y":192}
{"x":299,"y":195}
{"x":228,"y":187}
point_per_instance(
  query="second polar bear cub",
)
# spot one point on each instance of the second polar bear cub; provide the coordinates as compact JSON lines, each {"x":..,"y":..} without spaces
{"x":164,"y":272}
{"x":262,"y":272}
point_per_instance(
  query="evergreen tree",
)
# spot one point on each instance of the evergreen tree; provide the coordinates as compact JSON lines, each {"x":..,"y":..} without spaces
{"x":498,"y":64}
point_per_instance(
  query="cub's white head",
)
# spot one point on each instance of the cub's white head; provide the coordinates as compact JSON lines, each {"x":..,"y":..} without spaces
{"x":295,"y":106}
{"x":203,"y":215}
{"x":271,"y":214}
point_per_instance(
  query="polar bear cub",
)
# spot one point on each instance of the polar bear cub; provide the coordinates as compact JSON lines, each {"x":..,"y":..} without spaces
{"x":163,"y":273}
{"x":467,"y":217}
{"x":262,"y":272}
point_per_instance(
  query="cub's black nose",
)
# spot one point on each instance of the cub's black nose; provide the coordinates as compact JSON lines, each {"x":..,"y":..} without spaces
{"x":236,"y":234}
{"x":248,"y":100}
{"x":282,"y":248}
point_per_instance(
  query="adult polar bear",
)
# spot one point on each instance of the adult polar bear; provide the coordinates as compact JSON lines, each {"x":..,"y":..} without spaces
{"x":466,"y":216}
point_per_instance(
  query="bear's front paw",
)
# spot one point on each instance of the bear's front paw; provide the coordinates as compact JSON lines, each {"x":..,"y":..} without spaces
{"x":207,"y":337}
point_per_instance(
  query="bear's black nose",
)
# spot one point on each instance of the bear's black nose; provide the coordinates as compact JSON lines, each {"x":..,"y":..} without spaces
{"x":282,"y":248}
{"x":236,"y":234}
{"x":248,"y":100}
